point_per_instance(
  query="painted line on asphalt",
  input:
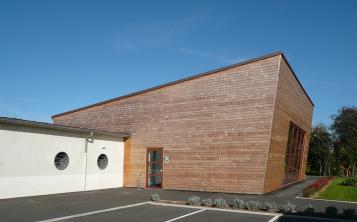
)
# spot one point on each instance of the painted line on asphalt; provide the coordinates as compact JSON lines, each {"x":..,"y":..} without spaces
{"x":341,"y":201}
{"x":215,"y":209}
{"x":186,"y":215}
{"x":93,"y":212}
{"x":275,"y":218}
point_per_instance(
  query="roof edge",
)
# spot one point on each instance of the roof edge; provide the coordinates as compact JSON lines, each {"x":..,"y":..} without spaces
{"x":22,"y":122}
{"x":173,"y":83}
{"x":297,"y":79}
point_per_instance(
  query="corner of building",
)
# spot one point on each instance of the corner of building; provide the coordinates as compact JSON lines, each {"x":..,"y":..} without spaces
{"x":292,"y":106}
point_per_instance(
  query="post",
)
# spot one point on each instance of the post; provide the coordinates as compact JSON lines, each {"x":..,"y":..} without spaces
{"x":138,"y":182}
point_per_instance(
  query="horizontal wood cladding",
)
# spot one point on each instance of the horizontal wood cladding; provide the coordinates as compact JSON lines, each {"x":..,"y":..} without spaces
{"x":291,"y":105}
{"x":214,"y":128}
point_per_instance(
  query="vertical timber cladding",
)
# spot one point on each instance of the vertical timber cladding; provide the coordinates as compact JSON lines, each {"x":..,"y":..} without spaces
{"x":127,"y":158}
{"x":292,"y":105}
{"x":214,"y":129}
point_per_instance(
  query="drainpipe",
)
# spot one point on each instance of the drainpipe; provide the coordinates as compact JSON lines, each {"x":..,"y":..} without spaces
{"x":87,"y":140}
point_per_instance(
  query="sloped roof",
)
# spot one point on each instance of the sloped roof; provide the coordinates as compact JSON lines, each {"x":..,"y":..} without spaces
{"x":187,"y":79}
{"x":22,"y":122}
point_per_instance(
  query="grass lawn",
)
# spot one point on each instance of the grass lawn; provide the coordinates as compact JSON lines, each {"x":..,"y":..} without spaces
{"x":335,"y":191}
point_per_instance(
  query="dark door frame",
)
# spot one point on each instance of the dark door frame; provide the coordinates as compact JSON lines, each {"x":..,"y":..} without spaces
{"x":161,"y":165}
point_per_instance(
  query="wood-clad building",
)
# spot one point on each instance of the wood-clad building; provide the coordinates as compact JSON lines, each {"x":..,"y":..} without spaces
{"x":242,"y":129}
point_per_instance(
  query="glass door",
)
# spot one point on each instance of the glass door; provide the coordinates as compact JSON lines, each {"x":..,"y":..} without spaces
{"x":154,"y":161}
{"x":294,"y":154}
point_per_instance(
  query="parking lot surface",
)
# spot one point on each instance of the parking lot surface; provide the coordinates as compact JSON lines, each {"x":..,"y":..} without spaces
{"x":153,"y":212}
{"x":127,"y":204}
{"x":150,"y":212}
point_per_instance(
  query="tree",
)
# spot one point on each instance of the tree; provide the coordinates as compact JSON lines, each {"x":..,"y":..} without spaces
{"x":320,"y":151}
{"x":345,"y":132}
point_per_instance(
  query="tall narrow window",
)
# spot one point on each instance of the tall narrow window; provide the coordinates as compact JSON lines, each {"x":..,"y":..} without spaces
{"x":294,"y":154}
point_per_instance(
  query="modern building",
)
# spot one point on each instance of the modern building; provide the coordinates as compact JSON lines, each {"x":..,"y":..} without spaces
{"x":243,"y":128}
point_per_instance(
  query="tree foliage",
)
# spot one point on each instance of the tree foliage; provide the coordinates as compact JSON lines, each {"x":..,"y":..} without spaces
{"x":345,"y":139}
{"x":335,"y":152}
{"x":320,"y":151}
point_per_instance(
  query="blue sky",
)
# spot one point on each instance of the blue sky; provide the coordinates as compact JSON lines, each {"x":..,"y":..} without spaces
{"x":59,"y":55}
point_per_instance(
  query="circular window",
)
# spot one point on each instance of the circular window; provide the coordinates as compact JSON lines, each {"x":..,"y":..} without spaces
{"x":102,"y":161}
{"x":61,"y":160}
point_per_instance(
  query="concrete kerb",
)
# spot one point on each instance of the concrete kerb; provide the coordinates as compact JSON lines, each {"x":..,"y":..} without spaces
{"x":317,"y":199}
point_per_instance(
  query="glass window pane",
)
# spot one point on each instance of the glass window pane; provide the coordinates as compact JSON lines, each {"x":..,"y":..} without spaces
{"x":288,"y":145}
{"x":154,"y":168}
{"x":154,"y":156}
{"x":154,"y":181}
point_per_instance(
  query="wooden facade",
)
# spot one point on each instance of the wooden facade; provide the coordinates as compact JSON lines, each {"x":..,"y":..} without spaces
{"x":291,"y":106}
{"x":221,"y":131}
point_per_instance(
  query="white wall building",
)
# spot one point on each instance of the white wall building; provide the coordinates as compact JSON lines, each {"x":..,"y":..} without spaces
{"x":41,"y":158}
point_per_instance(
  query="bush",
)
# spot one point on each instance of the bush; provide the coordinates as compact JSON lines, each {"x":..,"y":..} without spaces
{"x":308,"y":192}
{"x":220,"y":202}
{"x":287,"y":208}
{"x":252,"y":205}
{"x":331,"y":211}
{"x":155,"y":197}
{"x":193,"y":201}
{"x":349,"y":182}
{"x":269,"y":206}
{"x":238,"y":203}
{"x":207,"y":202}
{"x":309,"y":209}
{"x":323,"y":181}
{"x":312,"y":188}
{"x":349,"y":212}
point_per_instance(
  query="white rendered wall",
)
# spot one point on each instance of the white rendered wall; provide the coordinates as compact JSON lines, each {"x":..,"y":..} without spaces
{"x":112,"y":175}
{"x":27,"y":164}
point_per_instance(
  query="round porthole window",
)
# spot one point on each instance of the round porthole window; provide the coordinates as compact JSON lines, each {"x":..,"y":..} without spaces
{"x":102,"y":161}
{"x":61,"y":160}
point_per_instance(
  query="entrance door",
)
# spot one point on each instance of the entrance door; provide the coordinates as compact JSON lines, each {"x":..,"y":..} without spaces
{"x":294,"y":154}
{"x":154,"y":167}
